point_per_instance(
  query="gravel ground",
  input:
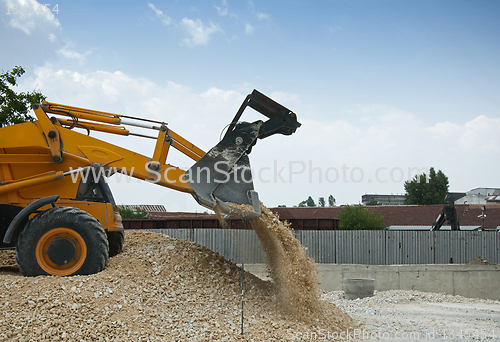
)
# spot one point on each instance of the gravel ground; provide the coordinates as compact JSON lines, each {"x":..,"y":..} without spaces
{"x":164,"y":289}
{"x":398,"y":315}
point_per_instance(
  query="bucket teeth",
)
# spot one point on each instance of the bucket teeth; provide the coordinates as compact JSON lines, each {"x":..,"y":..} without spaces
{"x":238,"y":211}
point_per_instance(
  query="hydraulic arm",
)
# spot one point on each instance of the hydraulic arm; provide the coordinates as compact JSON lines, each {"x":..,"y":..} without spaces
{"x":449,"y":212}
{"x":218,"y":178}
{"x":56,"y":208}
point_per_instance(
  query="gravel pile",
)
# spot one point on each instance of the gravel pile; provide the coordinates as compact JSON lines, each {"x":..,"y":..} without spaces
{"x":158,"y":289}
{"x":8,"y":258}
{"x":479,"y":261}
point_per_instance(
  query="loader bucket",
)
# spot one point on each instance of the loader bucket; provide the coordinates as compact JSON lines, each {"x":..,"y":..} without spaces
{"x":222,"y":178}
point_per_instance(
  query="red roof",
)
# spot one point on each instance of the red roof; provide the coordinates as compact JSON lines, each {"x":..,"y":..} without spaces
{"x":180,"y":215}
{"x":400,"y":215}
{"x":404,"y":215}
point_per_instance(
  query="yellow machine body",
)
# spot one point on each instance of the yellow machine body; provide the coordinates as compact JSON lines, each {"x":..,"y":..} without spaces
{"x":49,"y":189}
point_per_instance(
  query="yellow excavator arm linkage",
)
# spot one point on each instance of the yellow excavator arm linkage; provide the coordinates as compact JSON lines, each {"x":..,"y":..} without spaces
{"x":59,"y":213}
{"x":89,"y":151}
{"x":36,"y":153}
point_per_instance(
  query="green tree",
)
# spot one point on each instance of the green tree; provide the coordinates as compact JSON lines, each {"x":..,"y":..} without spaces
{"x":331,"y":201}
{"x":281,"y":205}
{"x":423,"y":189}
{"x":310,"y":202}
{"x":14,"y":107}
{"x":321,"y":202}
{"x":127,"y":213}
{"x":357,"y":217}
{"x":373,"y":202}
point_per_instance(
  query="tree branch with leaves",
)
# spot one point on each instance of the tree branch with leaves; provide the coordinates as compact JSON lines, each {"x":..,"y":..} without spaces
{"x":15,"y":107}
{"x":357,"y":217}
{"x":127,"y":213}
{"x":427,"y":189}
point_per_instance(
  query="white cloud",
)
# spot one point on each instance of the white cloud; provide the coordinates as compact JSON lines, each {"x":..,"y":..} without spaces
{"x":334,"y":29}
{"x":283,"y":97}
{"x":199,"y":33}
{"x":249,"y":29}
{"x":263,"y":16}
{"x":26,"y":17}
{"x":480,"y":136}
{"x":165,"y":19}
{"x":52,"y":37}
{"x":391,"y":139}
{"x":216,"y":95}
{"x":199,"y":117}
{"x":233,"y":38}
{"x":68,"y":51}
{"x":223,"y":10}
{"x":445,"y":129}
{"x":384,"y":114}
{"x":119,"y":92}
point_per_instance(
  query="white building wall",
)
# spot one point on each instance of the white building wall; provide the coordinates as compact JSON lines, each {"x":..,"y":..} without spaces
{"x":471,"y":199}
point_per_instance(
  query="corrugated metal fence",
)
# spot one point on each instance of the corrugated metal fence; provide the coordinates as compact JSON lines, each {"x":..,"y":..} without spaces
{"x":356,"y":247}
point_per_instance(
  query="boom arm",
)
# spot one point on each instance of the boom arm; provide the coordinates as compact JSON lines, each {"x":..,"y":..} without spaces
{"x":449,"y":212}
{"x":71,"y":149}
{"x":53,"y":148}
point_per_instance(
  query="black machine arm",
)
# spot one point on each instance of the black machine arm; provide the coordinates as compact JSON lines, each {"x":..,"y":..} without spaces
{"x":281,"y":119}
{"x":449,"y":212}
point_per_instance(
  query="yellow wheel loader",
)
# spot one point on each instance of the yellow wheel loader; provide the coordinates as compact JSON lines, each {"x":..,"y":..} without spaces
{"x":56,"y":207}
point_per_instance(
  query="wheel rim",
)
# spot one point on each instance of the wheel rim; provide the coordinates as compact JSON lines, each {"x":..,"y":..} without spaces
{"x":61,"y":251}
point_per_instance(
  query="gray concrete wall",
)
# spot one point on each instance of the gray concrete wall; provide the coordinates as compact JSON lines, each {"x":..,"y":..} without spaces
{"x":473,"y":281}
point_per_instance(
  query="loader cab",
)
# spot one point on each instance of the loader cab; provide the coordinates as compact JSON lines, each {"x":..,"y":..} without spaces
{"x":93,"y":190}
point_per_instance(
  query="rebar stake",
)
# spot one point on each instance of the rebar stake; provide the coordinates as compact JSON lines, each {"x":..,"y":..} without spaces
{"x":242,"y":291}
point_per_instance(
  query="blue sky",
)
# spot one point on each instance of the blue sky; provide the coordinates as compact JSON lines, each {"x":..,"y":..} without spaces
{"x":378,"y":85}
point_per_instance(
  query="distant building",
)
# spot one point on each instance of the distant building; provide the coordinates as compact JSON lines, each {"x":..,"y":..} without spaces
{"x":150,"y":208}
{"x":154,"y":210}
{"x":397,"y":217}
{"x":384,"y":199}
{"x":494,"y":199}
{"x":481,"y":196}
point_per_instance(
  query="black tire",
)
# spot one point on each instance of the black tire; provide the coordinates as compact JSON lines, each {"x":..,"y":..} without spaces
{"x":115,"y":240}
{"x":62,"y":241}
